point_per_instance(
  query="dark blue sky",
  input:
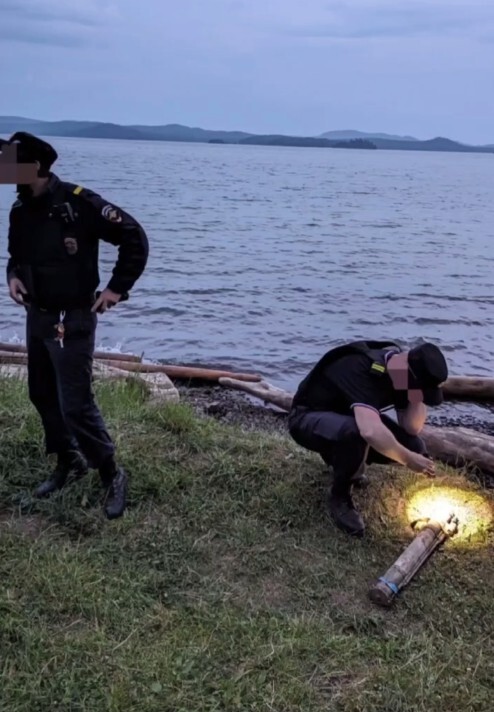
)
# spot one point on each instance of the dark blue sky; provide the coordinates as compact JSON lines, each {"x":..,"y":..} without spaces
{"x":419,"y":67}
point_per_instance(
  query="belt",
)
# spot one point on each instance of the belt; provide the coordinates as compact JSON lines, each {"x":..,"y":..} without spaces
{"x":86,"y":303}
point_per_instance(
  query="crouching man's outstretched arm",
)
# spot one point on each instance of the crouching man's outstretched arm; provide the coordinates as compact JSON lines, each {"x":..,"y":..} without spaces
{"x":381,"y":439}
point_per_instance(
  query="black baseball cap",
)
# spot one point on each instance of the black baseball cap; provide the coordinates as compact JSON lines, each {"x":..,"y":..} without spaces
{"x":31,"y":148}
{"x":427,"y":370}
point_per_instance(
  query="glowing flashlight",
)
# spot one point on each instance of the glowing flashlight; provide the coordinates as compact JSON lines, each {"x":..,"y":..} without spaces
{"x":432,"y":534}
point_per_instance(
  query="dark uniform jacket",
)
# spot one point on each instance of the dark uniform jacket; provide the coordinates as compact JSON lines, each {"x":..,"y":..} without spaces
{"x":351,"y":375}
{"x":53,"y":245}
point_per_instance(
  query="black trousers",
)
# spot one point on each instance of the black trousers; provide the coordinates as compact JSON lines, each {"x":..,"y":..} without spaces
{"x":60,"y":383}
{"x":337,"y":439}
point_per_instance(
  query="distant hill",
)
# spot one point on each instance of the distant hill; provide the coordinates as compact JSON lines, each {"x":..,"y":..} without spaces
{"x":408,"y":143}
{"x":98,"y":129}
{"x":9,"y":124}
{"x":306,"y":142}
{"x":434,"y":144}
{"x":178,"y":132}
{"x":351,"y":134}
{"x":108,"y":131}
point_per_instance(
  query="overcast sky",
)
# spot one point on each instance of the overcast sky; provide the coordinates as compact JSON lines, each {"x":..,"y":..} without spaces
{"x":419,"y":67}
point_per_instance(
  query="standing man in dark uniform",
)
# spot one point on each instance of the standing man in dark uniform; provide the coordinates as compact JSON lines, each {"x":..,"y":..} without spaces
{"x":53,"y":243}
{"x":338,"y":412}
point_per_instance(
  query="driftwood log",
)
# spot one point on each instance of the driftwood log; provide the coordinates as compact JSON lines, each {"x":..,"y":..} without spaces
{"x":458,"y":447}
{"x":468,"y":388}
{"x":182,"y":372}
{"x":263,"y":390}
{"x":100,"y":355}
{"x":13,"y":358}
{"x":186,"y":372}
{"x":455,"y":388}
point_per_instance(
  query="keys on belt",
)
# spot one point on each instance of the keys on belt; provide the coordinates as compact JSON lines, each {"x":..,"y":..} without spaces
{"x":60,"y":328}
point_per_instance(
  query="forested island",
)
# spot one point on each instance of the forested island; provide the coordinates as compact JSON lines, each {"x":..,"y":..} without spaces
{"x":306,"y":142}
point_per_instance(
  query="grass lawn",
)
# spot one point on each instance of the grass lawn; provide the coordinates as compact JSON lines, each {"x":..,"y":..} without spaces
{"x":225,"y":587}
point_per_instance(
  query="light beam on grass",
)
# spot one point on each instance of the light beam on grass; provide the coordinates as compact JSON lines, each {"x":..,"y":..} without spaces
{"x":438,"y":513}
{"x":436,"y":502}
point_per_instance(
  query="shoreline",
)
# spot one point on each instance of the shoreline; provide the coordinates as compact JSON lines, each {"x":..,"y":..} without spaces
{"x":237,"y":408}
{"x":234,"y":408}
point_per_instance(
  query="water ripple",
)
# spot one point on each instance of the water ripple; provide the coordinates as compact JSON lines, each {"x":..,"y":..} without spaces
{"x":263,"y":258}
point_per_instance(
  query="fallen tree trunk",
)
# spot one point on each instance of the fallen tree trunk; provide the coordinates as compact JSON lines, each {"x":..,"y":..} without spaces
{"x":21,"y":358}
{"x":474,"y":388}
{"x":126,"y":358}
{"x":13,"y":358}
{"x":263,"y":390}
{"x":100,"y":355}
{"x":13,"y":348}
{"x":185,"y":372}
{"x":458,"y":447}
{"x":468,"y":388}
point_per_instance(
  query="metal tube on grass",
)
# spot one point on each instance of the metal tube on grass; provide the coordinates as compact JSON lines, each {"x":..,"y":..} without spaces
{"x":434,"y":533}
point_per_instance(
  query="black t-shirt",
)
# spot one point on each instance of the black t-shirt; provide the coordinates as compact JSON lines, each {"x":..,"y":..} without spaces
{"x":350,"y":382}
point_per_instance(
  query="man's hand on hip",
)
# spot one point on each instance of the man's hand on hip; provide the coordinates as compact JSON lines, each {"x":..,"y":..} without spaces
{"x":106,"y":300}
{"x":17,"y":290}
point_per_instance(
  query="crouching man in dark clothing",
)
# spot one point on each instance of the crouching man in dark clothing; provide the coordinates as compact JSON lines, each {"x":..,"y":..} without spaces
{"x":338,"y":412}
{"x":53,"y":243}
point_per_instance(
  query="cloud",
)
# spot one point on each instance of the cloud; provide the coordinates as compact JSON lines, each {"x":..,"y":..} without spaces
{"x":50,"y":10}
{"x":54,"y":22}
{"x":361,"y":20}
{"x":271,"y":66}
{"x":48,"y":37}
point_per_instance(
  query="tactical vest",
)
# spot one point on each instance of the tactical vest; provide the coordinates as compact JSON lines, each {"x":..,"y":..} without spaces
{"x":310,"y":392}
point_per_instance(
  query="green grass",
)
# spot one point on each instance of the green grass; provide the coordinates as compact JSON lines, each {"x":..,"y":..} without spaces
{"x":225,"y":587}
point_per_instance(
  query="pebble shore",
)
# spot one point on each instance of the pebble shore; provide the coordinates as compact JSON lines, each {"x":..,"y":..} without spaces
{"x":237,"y":408}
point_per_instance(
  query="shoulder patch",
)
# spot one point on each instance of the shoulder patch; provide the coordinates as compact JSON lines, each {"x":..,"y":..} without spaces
{"x":377,"y":367}
{"x":109,"y":212}
{"x":78,"y":189}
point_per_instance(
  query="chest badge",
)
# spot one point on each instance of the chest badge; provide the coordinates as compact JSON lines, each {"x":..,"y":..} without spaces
{"x":71,"y":245}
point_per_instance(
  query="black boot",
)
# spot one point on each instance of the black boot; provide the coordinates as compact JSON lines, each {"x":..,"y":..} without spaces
{"x":115,"y":479}
{"x":68,"y":463}
{"x":345,"y":515}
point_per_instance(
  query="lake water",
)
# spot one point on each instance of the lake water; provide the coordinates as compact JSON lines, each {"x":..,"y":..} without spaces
{"x":262,"y":258}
